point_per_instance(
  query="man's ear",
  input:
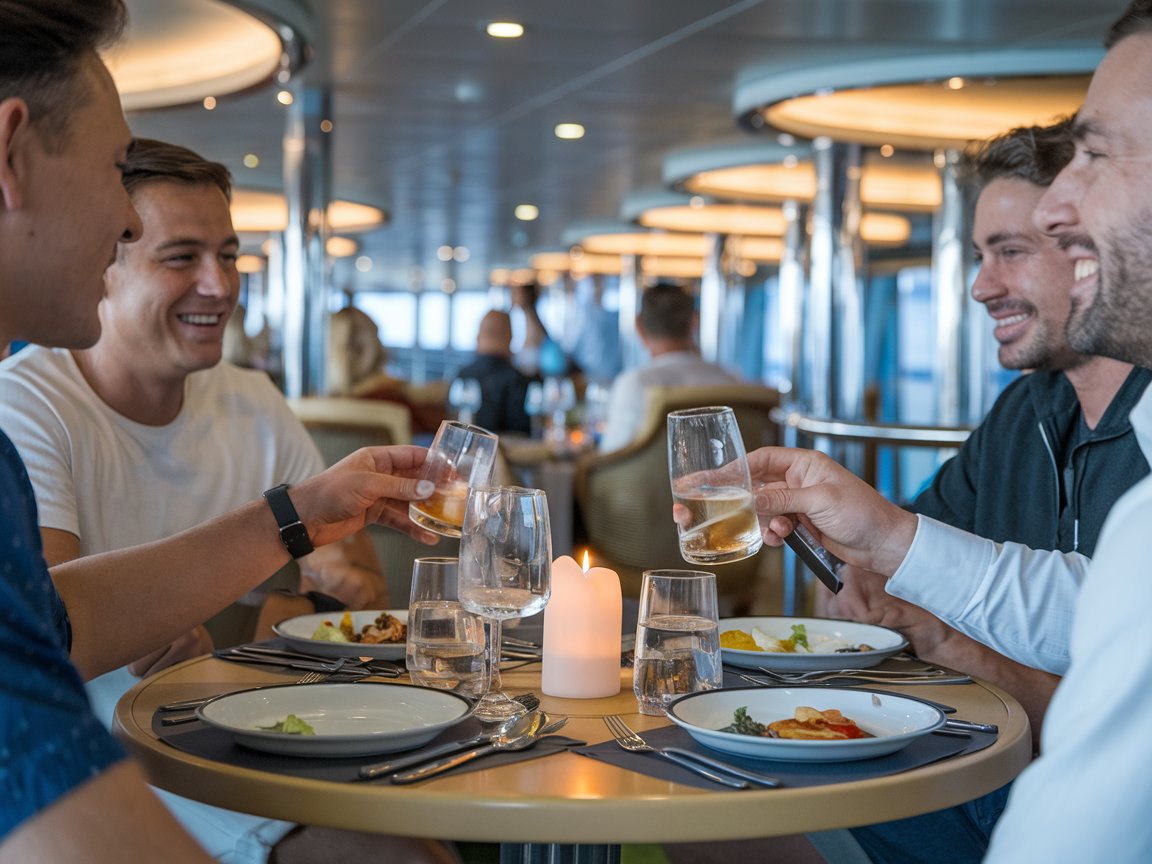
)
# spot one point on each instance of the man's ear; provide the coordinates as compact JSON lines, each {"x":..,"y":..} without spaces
{"x":15,"y":135}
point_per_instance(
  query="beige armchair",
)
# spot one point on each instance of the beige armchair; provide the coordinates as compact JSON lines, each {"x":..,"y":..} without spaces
{"x":626,"y":502}
{"x":340,"y":424}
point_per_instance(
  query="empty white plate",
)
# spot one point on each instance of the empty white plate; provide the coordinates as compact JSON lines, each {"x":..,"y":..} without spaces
{"x":825,"y":635}
{"x":298,"y":633}
{"x":895,"y":721}
{"x":349,"y":719}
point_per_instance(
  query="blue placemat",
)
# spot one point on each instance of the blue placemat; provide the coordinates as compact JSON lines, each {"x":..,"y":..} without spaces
{"x":922,"y":751}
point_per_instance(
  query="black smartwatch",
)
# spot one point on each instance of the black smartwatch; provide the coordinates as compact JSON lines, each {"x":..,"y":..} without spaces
{"x":292,"y":531}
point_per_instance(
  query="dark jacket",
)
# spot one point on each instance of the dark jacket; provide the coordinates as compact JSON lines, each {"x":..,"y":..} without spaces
{"x":1005,"y":483}
{"x":502,"y":391}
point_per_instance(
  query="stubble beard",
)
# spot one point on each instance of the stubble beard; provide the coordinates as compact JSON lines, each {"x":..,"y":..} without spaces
{"x":1117,"y":322}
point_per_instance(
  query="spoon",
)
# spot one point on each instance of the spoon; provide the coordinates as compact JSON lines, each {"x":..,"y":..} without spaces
{"x":379,"y":769}
{"x":518,"y":734}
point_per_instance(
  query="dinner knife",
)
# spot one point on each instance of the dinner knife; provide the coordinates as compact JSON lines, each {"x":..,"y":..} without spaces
{"x":380,"y":769}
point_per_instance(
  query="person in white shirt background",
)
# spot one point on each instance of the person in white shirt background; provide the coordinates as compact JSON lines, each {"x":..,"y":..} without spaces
{"x":1088,"y":796}
{"x":666,"y":325}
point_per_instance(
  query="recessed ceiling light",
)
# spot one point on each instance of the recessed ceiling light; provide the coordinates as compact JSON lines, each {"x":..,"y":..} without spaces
{"x":956,"y":83}
{"x":363,"y":263}
{"x":569,"y":131}
{"x":444,"y":253}
{"x":504,"y":29}
{"x":886,"y":150}
{"x":251,"y":160}
{"x":209,"y":102}
{"x":284,"y":97}
{"x":526,"y":212}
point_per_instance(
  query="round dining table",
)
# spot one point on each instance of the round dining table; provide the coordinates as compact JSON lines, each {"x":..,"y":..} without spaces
{"x":564,"y":798}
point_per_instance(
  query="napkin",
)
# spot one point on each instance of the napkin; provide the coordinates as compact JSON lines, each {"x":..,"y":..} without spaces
{"x":923,"y":751}
{"x":209,"y":742}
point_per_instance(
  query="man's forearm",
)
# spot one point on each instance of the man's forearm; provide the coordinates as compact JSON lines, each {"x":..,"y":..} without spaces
{"x":151,"y":594}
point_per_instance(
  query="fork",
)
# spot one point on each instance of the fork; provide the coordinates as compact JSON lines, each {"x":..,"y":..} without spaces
{"x":190,"y":715}
{"x":628,"y":739}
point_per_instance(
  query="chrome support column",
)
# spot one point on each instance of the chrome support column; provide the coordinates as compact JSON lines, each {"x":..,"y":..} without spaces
{"x":713,"y":297}
{"x":791,"y":282}
{"x":307,"y":188}
{"x":631,"y":351}
{"x":833,"y":311}
{"x":958,"y":365}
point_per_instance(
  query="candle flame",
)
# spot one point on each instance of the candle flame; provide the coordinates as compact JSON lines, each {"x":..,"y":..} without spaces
{"x":585,"y":560}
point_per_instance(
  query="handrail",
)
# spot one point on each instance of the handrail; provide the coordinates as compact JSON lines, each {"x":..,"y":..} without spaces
{"x":884,"y":433}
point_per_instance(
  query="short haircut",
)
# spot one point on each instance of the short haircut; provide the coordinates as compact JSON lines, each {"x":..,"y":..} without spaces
{"x":45,"y":45}
{"x":1137,"y":18}
{"x":152,"y":161}
{"x":1033,"y":153}
{"x":667,"y":311}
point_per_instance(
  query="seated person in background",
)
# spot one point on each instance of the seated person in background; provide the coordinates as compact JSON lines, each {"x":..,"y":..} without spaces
{"x":503,"y":387}
{"x":666,"y":325}
{"x":148,"y":432}
{"x":355,"y":367}
{"x":1044,"y":467}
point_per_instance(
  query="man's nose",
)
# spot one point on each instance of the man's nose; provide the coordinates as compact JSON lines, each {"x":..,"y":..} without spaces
{"x":986,"y":286}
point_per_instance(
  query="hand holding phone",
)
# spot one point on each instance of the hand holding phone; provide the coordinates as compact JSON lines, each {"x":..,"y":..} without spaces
{"x":819,"y":560}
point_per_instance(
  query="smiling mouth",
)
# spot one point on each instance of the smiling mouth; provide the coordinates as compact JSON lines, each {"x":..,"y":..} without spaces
{"x":1085,"y":268}
{"x":200,"y":320}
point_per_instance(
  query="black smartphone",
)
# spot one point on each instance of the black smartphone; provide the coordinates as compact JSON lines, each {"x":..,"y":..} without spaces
{"x":818,"y":559}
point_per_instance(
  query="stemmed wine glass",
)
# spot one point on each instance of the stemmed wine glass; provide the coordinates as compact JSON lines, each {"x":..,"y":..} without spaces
{"x":464,"y":396}
{"x":505,"y":570}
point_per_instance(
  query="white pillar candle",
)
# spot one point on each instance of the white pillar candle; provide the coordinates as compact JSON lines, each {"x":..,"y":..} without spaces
{"x":581,"y":654}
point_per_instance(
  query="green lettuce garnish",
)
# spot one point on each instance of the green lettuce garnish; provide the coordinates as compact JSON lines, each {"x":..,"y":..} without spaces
{"x":290,"y":725}
{"x":800,"y":636}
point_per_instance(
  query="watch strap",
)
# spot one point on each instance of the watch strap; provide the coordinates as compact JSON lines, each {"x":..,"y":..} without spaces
{"x":292,"y":531}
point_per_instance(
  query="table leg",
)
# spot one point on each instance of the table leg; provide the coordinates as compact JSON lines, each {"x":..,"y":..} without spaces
{"x":558,"y":853}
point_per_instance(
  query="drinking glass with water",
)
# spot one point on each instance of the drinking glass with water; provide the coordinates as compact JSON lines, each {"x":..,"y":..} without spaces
{"x":677,"y":638}
{"x":445,"y":647}
{"x":711,"y":486}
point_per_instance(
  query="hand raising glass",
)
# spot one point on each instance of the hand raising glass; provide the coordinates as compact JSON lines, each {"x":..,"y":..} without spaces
{"x":505,"y":570}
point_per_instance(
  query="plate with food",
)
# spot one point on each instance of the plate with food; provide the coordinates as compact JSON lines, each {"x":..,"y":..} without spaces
{"x":806,"y":644}
{"x":813,"y":724}
{"x":335,"y":719}
{"x":378,"y":634}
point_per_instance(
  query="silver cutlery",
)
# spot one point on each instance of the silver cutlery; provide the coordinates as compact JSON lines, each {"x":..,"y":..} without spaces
{"x":189,"y":715}
{"x":378,"y":769}
{"x":525,"y":731}
{"x":738,"y":778}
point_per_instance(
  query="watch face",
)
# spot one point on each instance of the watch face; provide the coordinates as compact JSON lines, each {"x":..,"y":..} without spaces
{"x":295,"y":537}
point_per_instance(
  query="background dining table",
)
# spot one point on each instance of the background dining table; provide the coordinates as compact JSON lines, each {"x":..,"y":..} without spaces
{"x":563,"y":798}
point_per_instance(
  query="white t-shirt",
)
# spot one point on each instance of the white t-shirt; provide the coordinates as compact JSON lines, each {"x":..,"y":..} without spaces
{"x":116,"y":483}
{"x":628,"y":398}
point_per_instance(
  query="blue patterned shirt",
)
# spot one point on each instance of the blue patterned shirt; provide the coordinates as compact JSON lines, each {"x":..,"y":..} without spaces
{"x":50,"y":741}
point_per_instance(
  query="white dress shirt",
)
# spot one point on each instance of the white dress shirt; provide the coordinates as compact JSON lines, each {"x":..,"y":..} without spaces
{"x":1089,"y":796}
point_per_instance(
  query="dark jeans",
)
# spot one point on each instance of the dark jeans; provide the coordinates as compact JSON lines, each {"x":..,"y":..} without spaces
{"x":957,"y":835}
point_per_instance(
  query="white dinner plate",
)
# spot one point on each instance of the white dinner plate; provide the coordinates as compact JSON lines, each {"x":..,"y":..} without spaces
{"x":894,"y":720}
{"x":349,"y":719}
{"x":825,"y":635}
{"x":298,"y":632}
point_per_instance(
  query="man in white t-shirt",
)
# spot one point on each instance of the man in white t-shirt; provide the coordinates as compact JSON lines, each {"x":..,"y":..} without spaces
{"x":666,"y":325}
{"x":148,"y":433}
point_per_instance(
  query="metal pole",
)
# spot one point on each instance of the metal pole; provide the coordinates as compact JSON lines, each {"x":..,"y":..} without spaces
{"x":307,"y":188}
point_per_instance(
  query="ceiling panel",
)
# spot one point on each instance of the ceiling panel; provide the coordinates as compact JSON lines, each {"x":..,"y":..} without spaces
{"x":450,"y":129}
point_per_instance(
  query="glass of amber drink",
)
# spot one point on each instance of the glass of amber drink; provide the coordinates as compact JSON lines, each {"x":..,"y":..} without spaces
{"x":461,"y":456}
{"x":711,"y":486}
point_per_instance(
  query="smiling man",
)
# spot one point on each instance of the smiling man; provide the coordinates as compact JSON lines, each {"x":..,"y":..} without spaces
{"x":1087,"y":797}
{"x":148,"y":433}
